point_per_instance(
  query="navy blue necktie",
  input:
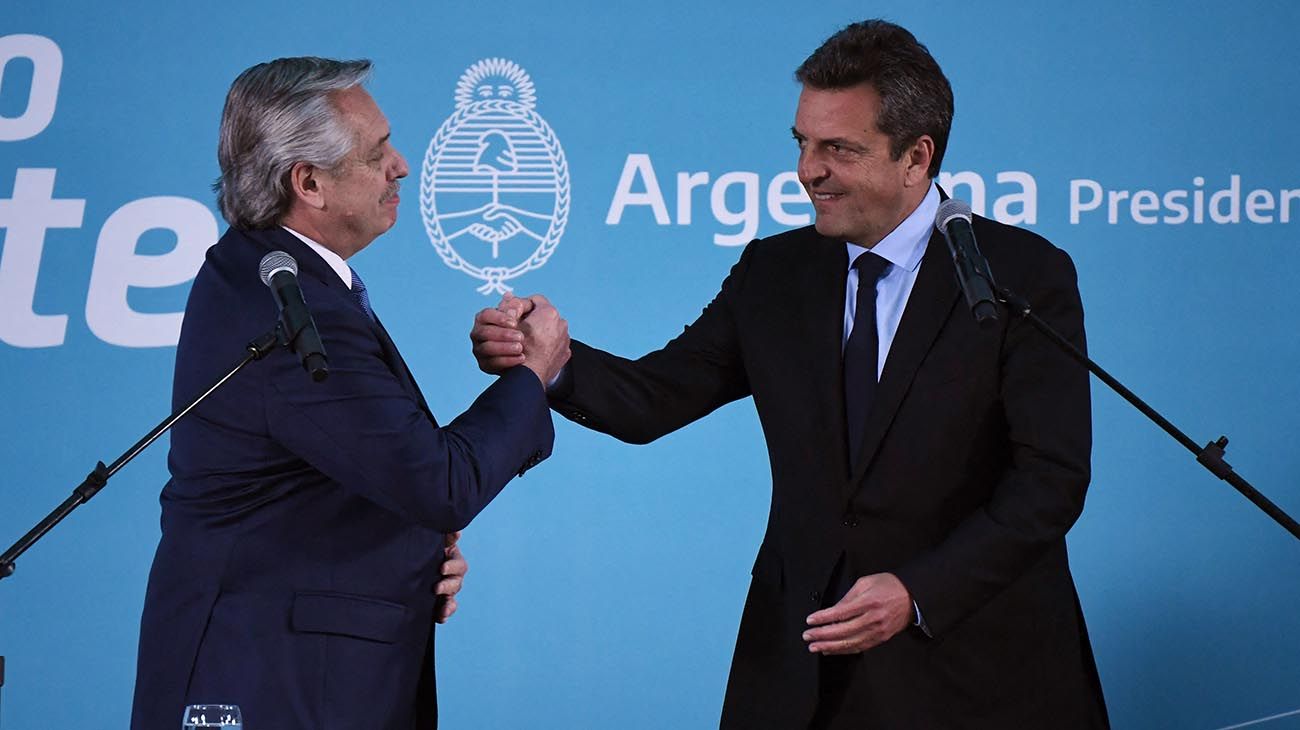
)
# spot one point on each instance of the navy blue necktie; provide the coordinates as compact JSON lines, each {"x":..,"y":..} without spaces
{"x":861,"y":353}
{"x":359,"y":293}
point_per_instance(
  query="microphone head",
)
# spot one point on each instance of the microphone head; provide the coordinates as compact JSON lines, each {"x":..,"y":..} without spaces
{"x":275,"y":262}
{"x":950,"y":209}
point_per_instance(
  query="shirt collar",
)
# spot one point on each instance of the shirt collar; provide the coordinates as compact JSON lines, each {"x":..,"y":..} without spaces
{"x":335,"y":261}
{"x":904,"y":247}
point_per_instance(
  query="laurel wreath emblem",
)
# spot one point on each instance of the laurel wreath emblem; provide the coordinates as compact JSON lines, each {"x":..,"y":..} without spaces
{"x":494,"y":277}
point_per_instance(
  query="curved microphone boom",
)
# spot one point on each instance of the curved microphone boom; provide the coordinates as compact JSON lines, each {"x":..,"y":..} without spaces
{"x":973,"y":274}
{"x":280,"y":273}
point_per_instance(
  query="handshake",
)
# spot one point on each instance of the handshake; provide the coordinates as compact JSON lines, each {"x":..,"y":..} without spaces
{"x":528,"y":332}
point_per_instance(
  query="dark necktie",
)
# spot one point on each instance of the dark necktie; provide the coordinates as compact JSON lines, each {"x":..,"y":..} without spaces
{"x":861,"y":353}
{"x":360,"y":295}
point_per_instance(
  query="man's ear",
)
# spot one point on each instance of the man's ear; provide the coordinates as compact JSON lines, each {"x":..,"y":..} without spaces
{"x":918,"y":158}
{"x":305,"y":184}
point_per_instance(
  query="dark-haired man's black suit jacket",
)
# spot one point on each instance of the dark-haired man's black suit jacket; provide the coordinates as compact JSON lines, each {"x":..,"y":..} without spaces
{"x":302,"y":529}
{"x":979,"y":447}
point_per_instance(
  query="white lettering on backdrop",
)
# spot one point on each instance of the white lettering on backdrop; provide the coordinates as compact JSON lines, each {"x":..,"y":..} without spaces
{"x":32,"y":210}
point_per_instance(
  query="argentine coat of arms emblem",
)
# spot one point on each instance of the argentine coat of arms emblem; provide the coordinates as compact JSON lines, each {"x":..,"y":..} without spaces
{"x":494,"y":186}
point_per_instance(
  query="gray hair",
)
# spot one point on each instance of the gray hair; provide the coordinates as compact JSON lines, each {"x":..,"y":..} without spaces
{"x":278,"y":114}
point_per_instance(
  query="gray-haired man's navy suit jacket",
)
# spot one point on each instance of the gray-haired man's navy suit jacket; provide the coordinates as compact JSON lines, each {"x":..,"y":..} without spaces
{"x":303,"y":524}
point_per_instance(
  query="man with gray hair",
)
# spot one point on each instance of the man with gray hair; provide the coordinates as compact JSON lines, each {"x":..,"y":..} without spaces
{"x":309,"y":528}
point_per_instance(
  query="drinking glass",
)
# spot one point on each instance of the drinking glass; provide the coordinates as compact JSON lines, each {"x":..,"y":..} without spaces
{"x":207,"y":716}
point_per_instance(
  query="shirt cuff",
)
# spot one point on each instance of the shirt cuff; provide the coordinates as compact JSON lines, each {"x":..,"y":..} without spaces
{"x":918,"y":621}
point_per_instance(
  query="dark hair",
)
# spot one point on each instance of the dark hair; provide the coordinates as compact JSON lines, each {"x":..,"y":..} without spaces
{"x":915,"y":97}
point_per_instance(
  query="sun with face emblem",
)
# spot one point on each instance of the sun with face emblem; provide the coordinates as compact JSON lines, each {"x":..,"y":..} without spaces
{"x":495,"y":78}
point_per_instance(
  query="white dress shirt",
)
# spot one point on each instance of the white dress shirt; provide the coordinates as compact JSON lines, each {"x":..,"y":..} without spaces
{"x":903,"y":248}
{"x":335,"y":261}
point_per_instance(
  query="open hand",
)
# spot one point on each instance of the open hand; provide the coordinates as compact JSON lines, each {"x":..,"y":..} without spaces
{"x":875,"y":609}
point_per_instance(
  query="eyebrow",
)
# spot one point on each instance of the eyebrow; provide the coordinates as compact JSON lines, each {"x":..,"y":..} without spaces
{"x":382,"y":140}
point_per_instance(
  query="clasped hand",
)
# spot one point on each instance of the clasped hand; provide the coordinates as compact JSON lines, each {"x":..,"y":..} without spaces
{"x":528,"y":332}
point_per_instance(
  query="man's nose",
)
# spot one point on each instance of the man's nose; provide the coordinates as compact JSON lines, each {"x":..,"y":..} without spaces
{"x":810,"y":168}
{"x":400,"y":168}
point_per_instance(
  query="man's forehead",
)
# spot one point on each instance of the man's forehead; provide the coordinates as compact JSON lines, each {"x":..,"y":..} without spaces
{"x":827,"y":110}
{"x":355,"y":101}
{"x":362,"y":114}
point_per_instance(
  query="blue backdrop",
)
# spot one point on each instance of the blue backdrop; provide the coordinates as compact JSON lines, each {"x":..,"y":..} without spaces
{"x":1153,"y":144}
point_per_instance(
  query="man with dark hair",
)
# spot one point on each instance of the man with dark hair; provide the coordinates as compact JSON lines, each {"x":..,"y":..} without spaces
{"x":915,"y":98}
{"x":924,"y":471}
{"x":308,"y":529}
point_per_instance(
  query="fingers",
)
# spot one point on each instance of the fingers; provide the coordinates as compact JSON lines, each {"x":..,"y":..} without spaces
{"x":450,"y":585}
{"x":496,"y":356}
{"x":852,"y":604}
{"x":454,"y":566}
{"x":492,"y":341}
{"x":485,"y":332}
{"x":503,"y":315}
{"x":445,"y":610}
{"x":856,"y":634}
{"x":842,"y":611}
{"x":876,"y":608}
{"x":497,"y":343}
{"x":454,"y":569}
{"x":512,"y":303}
{"x":840,"y":648}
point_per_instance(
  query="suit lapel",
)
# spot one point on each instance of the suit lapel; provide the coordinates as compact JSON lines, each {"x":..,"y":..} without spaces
{"x":397,"y":364}
{"x":311,"y":264}
{"x":928,"y":307}
{"x":824,"y":348}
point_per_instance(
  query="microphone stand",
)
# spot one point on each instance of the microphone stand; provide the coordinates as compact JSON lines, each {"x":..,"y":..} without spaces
{"x":99,"y":476}
{"x":1210,"y":456}
{"x":285,"y":334}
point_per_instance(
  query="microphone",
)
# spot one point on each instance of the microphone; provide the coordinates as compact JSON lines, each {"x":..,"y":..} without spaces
{"x":973,"y":275}
{"x":280,"y":272}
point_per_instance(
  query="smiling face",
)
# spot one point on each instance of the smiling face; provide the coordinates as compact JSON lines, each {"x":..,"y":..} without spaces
{"x":360,"y":194}
{"x":859,"y":191}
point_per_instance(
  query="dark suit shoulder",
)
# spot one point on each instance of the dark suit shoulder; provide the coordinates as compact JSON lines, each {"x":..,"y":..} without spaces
{"x":1018,"y":256}
{"x":786,"y":253}
{"x":791,"y":243}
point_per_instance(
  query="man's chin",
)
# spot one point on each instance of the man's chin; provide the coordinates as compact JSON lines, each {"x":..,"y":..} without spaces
{"x":828,"y":228}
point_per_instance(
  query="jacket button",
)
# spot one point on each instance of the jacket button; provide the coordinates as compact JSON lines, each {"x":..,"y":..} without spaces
{"x":850,"y":520}
{"x":816,"y":597}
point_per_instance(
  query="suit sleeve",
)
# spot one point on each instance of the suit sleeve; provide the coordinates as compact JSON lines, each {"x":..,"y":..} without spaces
{"x":638,"y":401}
{"x":362,"y":429}
{"x":1040,"y":493}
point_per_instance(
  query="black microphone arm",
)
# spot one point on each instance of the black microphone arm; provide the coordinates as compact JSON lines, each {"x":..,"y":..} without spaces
{"x":973,"y":274}
{"x":1209,"y":456}
{"x":279,"y":271}
{"x":99,"y":476}
{"x":976,"y":280}
{"x":296,"y":329}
